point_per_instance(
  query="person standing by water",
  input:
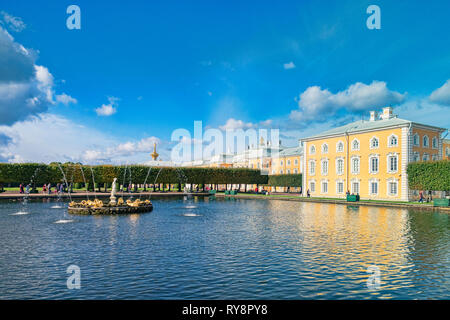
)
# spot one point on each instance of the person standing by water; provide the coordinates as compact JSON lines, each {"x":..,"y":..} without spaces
{"x":27,"y":189}
{"x":49,"y":188}
{"x":21,"y":188}
{"x":308,"y":194}
{"x":421,"y":196}
{"x":44,"y":188}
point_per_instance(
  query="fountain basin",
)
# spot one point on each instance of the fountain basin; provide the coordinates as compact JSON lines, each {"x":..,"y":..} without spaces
{"x":108,"y":210}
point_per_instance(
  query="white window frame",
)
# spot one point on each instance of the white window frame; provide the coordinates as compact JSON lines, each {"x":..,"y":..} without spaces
{"x":295,"y":171}
{"x":359,"y":145}
{"x":377,"y":182}
{"x":371,"y":142}
{"x":337,"y":166}
{"x":312,"y":172}
{"x":426,"y":157}
{"x":312,"y":149}
{"x":416,"y":135}
{"x":434,"y":141}
{"x":390,"y":145}
{"x":325,"y":148}
{"x":352,"y":166}
{"x":288,"y":162}
{"x":322,"y":183}
{"x":322,"y":162}
{"x":340,"y":181}
{"x":353,"y":181}
{"x":416,"y":156}
{"x":311,"y":184}
{"x":337,"y":146}
{"x":388,"y":157}
{"x":426,"y":145}
{"x":388,"y":189}
{"x":371,"y":171}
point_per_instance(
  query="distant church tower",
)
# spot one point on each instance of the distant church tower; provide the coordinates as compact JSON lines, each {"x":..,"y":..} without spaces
{"x":155,"y":154}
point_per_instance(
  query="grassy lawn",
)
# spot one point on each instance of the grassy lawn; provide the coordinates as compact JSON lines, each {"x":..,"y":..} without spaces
{"x":332,"y":199}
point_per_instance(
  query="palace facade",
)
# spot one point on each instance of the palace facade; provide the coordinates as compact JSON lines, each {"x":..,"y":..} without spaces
{"x":368,"y":157}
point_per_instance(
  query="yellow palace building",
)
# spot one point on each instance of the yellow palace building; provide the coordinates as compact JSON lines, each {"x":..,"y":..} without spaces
{"x":368,"y":157}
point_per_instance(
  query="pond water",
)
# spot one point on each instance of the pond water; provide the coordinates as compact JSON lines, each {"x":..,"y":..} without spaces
{"x":201,"y":248}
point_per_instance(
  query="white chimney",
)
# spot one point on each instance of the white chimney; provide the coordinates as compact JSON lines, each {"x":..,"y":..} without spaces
{"x":387,"y":113}
{"x":373,"y":115}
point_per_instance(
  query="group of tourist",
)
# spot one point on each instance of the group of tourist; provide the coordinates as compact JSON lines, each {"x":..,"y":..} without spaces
{"x":422,"y":197}
{"x":24,"y":189}
{"x":46,"y":188}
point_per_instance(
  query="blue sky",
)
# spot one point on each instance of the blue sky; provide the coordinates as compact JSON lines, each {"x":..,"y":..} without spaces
{"x":300,"y":66}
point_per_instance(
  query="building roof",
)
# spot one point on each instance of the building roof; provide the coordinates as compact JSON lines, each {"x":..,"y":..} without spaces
{"x":366,"y":125}
{"x":296,"y":151}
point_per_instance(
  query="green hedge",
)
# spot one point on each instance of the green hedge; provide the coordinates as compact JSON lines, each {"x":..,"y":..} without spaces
{"x":429,"y":175}
{"x":285,"y":180}
{"x":42,"y":173}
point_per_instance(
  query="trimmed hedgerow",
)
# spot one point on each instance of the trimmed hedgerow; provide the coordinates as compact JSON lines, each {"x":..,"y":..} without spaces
{"x":77,"y":173}
{"x":429,"y":175}
{"x":285,"y":180}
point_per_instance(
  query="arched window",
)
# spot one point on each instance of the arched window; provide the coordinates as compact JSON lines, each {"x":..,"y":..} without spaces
{"x":435,"y":143}
{"x":425,"y":141}
{"x":393,"y":141}
{"x":416,"y":140}
{"x":324,"y":148}
{"x":374,"y":143}
{"x":340,"y":147}
{"x":355,"y":144}
{"x":312,"y":149}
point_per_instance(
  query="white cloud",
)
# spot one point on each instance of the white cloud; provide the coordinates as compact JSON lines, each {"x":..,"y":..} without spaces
{"x":65,"y":99}
{"x":442,"y":94}
{"x":317,"y":104}
{"x":14,"y":23}
{"x":233,"y":124}
{"x":289,"y":65}
{"x":33,"y":140}
{"x":107,"y":110}
{"x":26,"y":89}
{"x":423,"y":111}
{"x":125,"y":150}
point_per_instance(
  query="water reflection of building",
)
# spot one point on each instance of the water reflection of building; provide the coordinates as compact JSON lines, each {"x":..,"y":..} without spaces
{"x":347,"y":237}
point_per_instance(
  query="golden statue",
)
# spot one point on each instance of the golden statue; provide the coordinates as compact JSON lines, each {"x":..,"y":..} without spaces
{"x":154,"y":154}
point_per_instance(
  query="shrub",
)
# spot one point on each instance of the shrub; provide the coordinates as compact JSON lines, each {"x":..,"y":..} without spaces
{"x":429,"y":175}
{"x":285,"y":180}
